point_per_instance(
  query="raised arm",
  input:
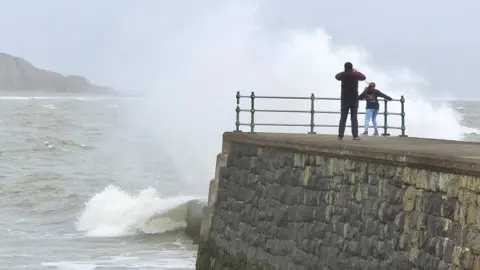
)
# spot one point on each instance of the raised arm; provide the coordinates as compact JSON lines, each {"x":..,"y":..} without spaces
{"x":380,"y":94}
{"x":360,"y":76}
{"x":340,"y":76}
{"x":362,"y":95}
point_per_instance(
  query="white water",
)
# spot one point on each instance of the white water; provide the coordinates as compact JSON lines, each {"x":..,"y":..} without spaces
{"x":113,"y":212}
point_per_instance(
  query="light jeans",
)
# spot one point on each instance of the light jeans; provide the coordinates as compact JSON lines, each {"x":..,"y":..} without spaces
{"x":371,"y":114}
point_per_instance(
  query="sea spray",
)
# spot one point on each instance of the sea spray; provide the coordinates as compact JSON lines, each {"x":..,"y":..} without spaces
{"x":194,"y":71}
{"x":113,"y":212}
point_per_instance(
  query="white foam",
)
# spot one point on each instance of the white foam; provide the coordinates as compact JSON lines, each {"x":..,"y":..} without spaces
{"x":50,"y":106}
{"x":114,"y":212}
{"x":469,"y":130}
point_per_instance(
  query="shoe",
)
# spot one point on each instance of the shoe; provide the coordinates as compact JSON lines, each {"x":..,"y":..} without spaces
{"x":339,"y":138}
{"x":356,"y":138}
{"x":365,"y":133}
{"x":375,"y":133}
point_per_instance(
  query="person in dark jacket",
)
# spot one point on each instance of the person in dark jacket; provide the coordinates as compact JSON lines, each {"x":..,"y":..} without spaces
{"x":370,"y":95}
{"x":349,"y":98}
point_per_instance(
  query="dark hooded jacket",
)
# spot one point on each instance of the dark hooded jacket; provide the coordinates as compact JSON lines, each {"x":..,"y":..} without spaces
{"x":371,"y":95}
{"x":350,"y":79}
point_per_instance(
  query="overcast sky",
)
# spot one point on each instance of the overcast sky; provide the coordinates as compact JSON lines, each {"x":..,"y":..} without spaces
{"x":437,"y":39}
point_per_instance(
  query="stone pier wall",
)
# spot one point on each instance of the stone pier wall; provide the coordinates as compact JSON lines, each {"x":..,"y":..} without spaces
{"x":279,"y":207}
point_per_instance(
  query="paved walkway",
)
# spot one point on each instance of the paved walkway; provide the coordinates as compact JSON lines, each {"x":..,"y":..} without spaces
{"x":464,"y":155}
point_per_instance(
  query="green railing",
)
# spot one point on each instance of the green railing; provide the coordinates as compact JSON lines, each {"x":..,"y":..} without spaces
{"x":253,"y":110}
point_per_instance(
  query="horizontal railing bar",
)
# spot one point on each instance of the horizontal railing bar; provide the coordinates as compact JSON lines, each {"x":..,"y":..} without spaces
{"x":336,"y":126}
{"x":280,"y":97}
{"x":280,"y":111}
{"x":319,"y":112}
{"x":286,"y":111}
{"x":328,"y":112}
{"x":335,"y":112}
{"x":317,"y":98}
{"x":306,"y":125}
{"x":281,"y":125}
{"x":276,"y":125}
{"x":326,"y":98}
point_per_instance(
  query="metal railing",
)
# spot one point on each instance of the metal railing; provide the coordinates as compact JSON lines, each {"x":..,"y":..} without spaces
{"x":253,"y":110}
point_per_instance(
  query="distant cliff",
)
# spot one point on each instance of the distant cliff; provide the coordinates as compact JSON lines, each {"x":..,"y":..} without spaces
{"x":18,"y":75}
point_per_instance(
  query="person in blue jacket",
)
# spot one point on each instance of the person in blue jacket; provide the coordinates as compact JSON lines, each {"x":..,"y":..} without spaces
{"x":371,"y":95}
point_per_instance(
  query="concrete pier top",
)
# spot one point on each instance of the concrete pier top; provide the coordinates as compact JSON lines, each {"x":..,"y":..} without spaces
{"x":445,"y":155}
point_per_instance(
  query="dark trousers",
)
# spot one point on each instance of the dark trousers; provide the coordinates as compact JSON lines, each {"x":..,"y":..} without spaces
{"x":343,"y":120}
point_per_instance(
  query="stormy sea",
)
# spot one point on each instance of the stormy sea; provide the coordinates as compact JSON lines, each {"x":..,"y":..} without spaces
{"x":84,"y":185}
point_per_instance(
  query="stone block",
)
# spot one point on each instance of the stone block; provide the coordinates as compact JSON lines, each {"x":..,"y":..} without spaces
{"x":399,"y":221}
{"x":460,"y":214}
{"x":448,"y":208}
{"x":473,"y":216}
{"x":467,"y":196}
{"x":471,"y":183}
{"x":409,"y":198}
{"x":457,"y":233}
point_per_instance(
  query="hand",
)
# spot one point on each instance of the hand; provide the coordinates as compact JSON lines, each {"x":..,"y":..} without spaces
{"x":354,"y":70}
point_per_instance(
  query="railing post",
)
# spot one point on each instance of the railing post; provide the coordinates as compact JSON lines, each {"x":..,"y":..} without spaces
{"x":402,"y":114}
{"x":312,"y":114}
{"x":237,"y":110}
{"x":252,"y":113}
{"x":385,"y":116}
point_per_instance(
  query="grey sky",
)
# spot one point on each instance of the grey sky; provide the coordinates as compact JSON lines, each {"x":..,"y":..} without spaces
{"x":437,"y":39}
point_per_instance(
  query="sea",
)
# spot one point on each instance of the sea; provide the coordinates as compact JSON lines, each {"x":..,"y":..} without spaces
{"x":83,"y":187}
